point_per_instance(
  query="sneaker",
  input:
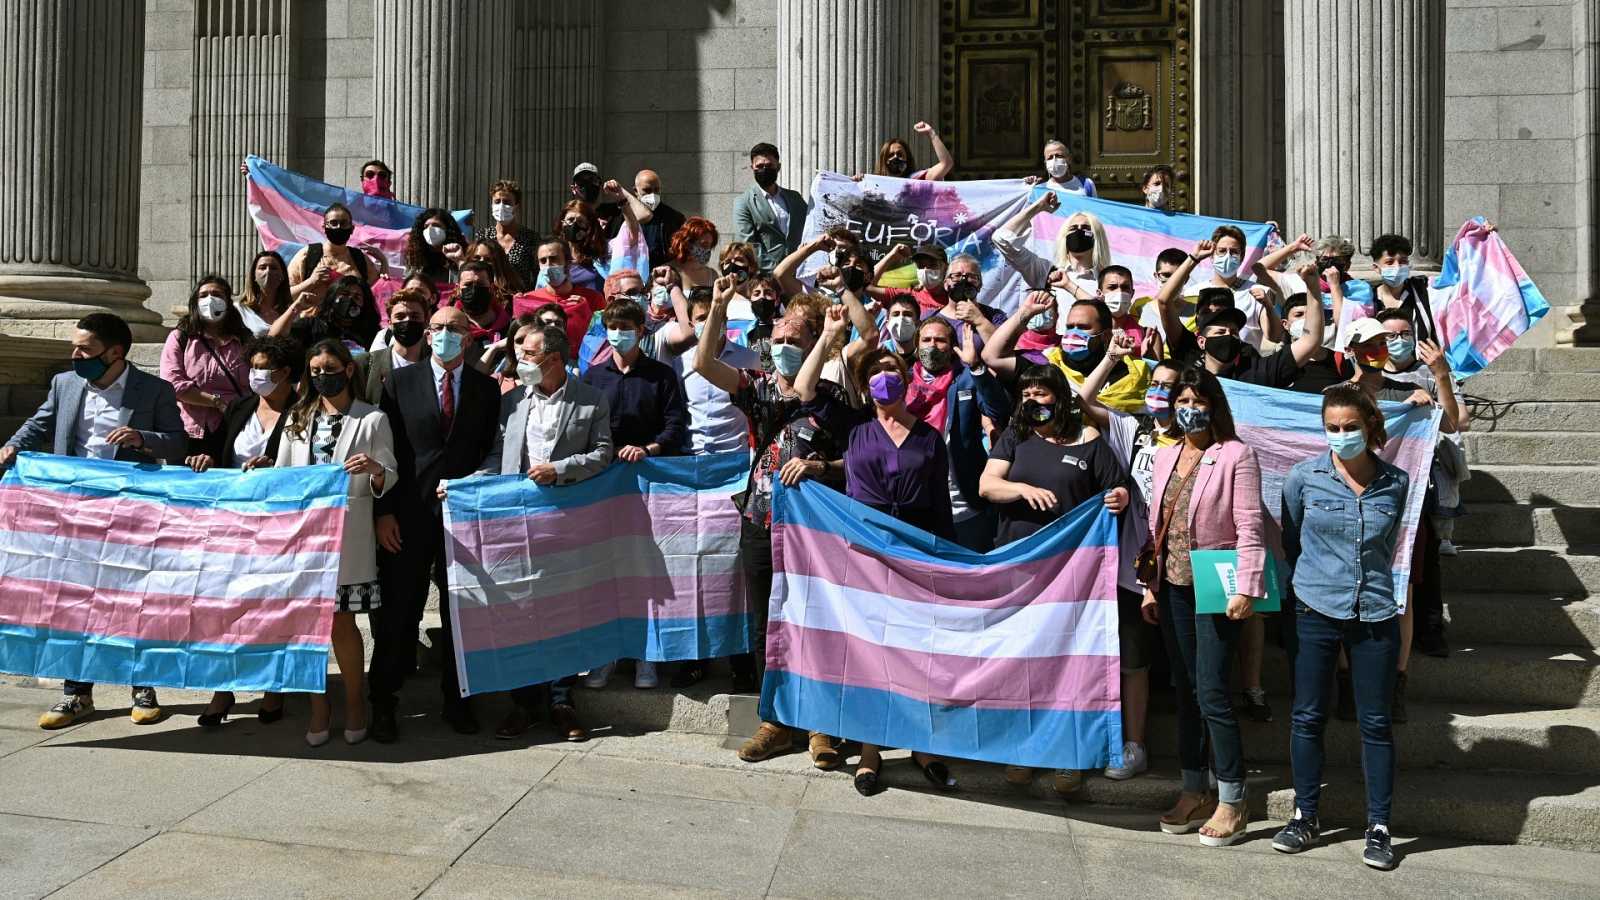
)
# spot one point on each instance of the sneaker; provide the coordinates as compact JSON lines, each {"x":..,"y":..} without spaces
{"x":1345,"y":705}
{"x":71,"y":708}
{"x":1066,"y":782}
{"x":1397,"y":705}
{"x":1380,"y":852}
{"x":1448,"y":548}
{"x":598,"y":678}
{"x":644,"y":675}
{"x":1255,"y":705}
{"x":768,"y":741}
{"x":1134,"y":762}
{"x":1297,"y":836}
{"x":146,"y":708}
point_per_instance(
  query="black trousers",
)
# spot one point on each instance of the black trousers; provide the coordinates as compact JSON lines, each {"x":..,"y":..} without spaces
{"x":405,"y":577}
{"x":755,"y":545}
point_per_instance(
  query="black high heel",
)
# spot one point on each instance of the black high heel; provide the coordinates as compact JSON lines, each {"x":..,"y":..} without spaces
{"x":937,"y":773}
{"x":267,"y":716}
{"x":212,"y":720}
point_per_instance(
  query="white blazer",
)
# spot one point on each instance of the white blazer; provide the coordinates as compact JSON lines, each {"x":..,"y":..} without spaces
{"x":366,"y":430}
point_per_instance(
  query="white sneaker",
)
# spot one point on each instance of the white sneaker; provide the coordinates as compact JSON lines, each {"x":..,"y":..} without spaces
{"x":1134,"y":762}
{"x":1448,"y":548}
{"x":644,"y":675}
{"x":597,"y":678}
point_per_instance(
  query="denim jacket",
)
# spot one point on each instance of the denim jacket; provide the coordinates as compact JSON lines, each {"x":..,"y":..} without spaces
{"x":1340,"y":545}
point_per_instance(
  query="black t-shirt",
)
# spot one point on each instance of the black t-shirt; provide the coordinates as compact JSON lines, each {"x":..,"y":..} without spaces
{"x":1278,"y":370}
{"x":1319,"y":375}
{"x":1073,"y":473}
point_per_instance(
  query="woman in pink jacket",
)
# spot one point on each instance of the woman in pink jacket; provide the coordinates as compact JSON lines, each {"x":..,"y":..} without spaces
{"x":1208,"y":488}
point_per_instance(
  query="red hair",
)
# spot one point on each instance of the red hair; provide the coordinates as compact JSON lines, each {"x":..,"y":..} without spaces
{"x":689,"y":234}
{"x":616,"y":278}
{"x":595,"y":247}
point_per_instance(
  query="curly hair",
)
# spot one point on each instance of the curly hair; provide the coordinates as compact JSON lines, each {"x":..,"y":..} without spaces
{"x":689,"y":235}
{"x":507,"y":186}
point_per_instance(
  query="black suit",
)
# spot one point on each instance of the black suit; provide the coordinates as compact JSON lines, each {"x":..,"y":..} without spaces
{"x":425,"y":455}
{"x":219,"y":444}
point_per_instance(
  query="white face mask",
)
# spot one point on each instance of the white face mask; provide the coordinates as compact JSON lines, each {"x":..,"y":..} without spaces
{"x":650,"y":201}
{"x":503,"y":212}
{"x":529,"y":373}
{"x":1297,"y":329}
{"x":554,"y":275}
{"x":1118,"y":301}
{"x":211,"y":308}
{"x":1156,"y":197}
{"x":930,"y":277}
{"x":902,"y":328}
{"x":1056,"y":167}
{"x":434,"y":235}
{"x":262,"y":382}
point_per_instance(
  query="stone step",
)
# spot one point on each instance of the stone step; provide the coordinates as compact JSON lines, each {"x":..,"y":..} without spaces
{"x":1460,"y":736}
{"x":1546,"y":359}
{"x":1523,"y":619}
{"x":1518,"y":524}
{"x":1534,"y":386}
{"x":1555,"y":570}
{"x":1539,"y":485}
{"x":1533,"y":448}
{"x":1550,"y":415}
{"x":1492,"y":673}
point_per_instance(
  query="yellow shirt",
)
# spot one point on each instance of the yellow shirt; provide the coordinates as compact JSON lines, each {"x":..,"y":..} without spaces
{"x":1126,"y":394}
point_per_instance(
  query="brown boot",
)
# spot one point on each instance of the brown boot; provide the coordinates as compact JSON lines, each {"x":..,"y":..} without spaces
{"x":768,"y":741}
{"x":824,"y":755}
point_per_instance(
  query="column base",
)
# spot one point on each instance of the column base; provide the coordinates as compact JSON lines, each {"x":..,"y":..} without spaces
{"x":49,"y":306}
{"x":1579,"y":325}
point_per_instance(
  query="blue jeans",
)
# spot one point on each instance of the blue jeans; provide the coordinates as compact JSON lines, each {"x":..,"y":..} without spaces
{"x":1205,"y":645}
{"x":1373,"y":648}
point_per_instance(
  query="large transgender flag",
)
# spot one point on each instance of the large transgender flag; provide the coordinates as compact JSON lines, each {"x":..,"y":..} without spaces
{"x":1482,"y":299}
{"x":880,"y":632}
{"x":1285,"y":427}
{"x":287,"y":208}
{"x":130,"y":574}
{"x":640,"y":561}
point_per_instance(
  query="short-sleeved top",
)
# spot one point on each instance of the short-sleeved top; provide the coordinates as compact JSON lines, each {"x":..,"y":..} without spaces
{"x":1321,"y":374}
{"x":781,"y":429}
{"x":1073,"y":472}
{"x":1277,"y":369}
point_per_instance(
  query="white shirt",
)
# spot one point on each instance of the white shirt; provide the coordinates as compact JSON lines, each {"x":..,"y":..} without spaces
{"x":400,"y":362}
{"x":102,"y":413}
{"x":715,"y":424}
{"x":251,"y":442}
{"x":780,"y":213}
{"x":439,"y":373}
{"x":544,"y":423}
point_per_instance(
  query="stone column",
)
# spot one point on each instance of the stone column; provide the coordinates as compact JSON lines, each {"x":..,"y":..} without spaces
{"x":469,"y":93}
{"x":851,"y":74}
{"x":1238,"y":121}
{"x":69,"y":170}
{"x":1363,"y":120}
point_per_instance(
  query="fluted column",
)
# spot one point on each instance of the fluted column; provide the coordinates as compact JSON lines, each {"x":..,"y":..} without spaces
{"x":69,"y":167}
{"x":852,"y":73}
{"x":1364,"y":114}
{"x":468,"y":93}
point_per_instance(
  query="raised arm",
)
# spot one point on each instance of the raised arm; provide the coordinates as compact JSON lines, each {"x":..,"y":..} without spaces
{"x":633,"y":209}
{"x":999,"y":351}
{"x":1272,"y":260}
{"x":862,"y":322}
{"x":1444,"y":380}
{"x":1020,"y":223}
{"x":947,"y":162}
{"x":721,"y":375}
{"x":1167,"y":298}
{"x":1267,"y":294}
{"x":785,"y":270}
{"x":1307,"y":343}
{"x":894,"y":259}
{"x":1094,"y":382}
{"x":805,"y":381}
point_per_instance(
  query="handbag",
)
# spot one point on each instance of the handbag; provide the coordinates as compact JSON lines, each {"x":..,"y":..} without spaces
{"x":1145,"y":566}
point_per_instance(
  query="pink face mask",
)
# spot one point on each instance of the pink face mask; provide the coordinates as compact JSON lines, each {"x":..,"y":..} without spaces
{"x":377,"y":187}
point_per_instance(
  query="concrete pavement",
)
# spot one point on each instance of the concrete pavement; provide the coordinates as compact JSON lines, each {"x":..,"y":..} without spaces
{"x":109,"y":809}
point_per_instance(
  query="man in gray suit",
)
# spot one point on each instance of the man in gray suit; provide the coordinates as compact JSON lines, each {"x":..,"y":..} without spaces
{"x":768,"y":216}
{"x":557,"y":431}
{"x":105,"y":408}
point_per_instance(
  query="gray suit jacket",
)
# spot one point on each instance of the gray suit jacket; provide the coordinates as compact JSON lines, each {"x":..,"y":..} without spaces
{"x":753,"y":222}
{"x":153,"y":405}
{"x":583,"y":441}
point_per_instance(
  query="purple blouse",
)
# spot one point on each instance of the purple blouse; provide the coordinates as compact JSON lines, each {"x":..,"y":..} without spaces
{"x":910,"y":482}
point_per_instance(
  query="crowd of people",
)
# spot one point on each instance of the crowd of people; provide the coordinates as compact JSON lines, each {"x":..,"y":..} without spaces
{"x":482,"y":356}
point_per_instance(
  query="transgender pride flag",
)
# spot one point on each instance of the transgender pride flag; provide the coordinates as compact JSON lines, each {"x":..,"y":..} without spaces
{"x":1285,"y":427}
{"x":880,"y":632}
{"x":130,"y":574}
{"x":287,"y":208}
{"x":640,"y":561}
{"x":1482,"y":299}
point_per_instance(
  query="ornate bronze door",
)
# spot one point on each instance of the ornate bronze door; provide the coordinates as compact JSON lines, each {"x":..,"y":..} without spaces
{"x":1110,"y":78}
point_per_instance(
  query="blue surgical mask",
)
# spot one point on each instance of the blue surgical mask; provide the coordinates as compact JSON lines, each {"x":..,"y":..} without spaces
{"x":446,"y":345}
{"x":1401,"y":349}
{"x":1346,"y":444}
{"x":1041,"y":321}
{"x":622,"y":340}
{"x":699,"y":330}
{"x":1192,"y":419}
{"x":786,"y":358}
{"x":1226,"y":264}
{"x":1394,"y":276}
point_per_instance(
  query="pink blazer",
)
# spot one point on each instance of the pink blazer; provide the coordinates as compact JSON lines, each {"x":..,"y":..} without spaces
{"x":1226,"y":510}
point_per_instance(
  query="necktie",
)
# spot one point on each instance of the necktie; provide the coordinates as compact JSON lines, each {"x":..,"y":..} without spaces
{"x":447,"y":401}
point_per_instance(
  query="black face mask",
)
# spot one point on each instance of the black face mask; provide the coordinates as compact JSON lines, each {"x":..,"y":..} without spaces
{"x":475,"y":299}
{"x":1079,"y":241}
{"x":338,"y":236}
{"x":407,"y":333}
{"x":586,"y":191}
{"x":1224,"y":348}
{"x":345,"y":308}
{"x":329,"y":384}
{"x":766,"y":177}
{"x":1036,"y":413}
{"x":896,"y":166}
{"x":854,"y":278}
{"x":1324,"y":263}
{"x":575,"y":231}
{"x":740,"y":273}
{"x":764,"y":308}
{"x":961,"y":290}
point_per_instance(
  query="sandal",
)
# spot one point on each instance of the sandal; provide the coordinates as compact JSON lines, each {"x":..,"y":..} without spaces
{"x":1176,"y":821}
{"x":1219,"y":838}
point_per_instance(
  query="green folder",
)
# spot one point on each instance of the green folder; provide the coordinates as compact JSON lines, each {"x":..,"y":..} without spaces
{"x":1214,"y":581}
